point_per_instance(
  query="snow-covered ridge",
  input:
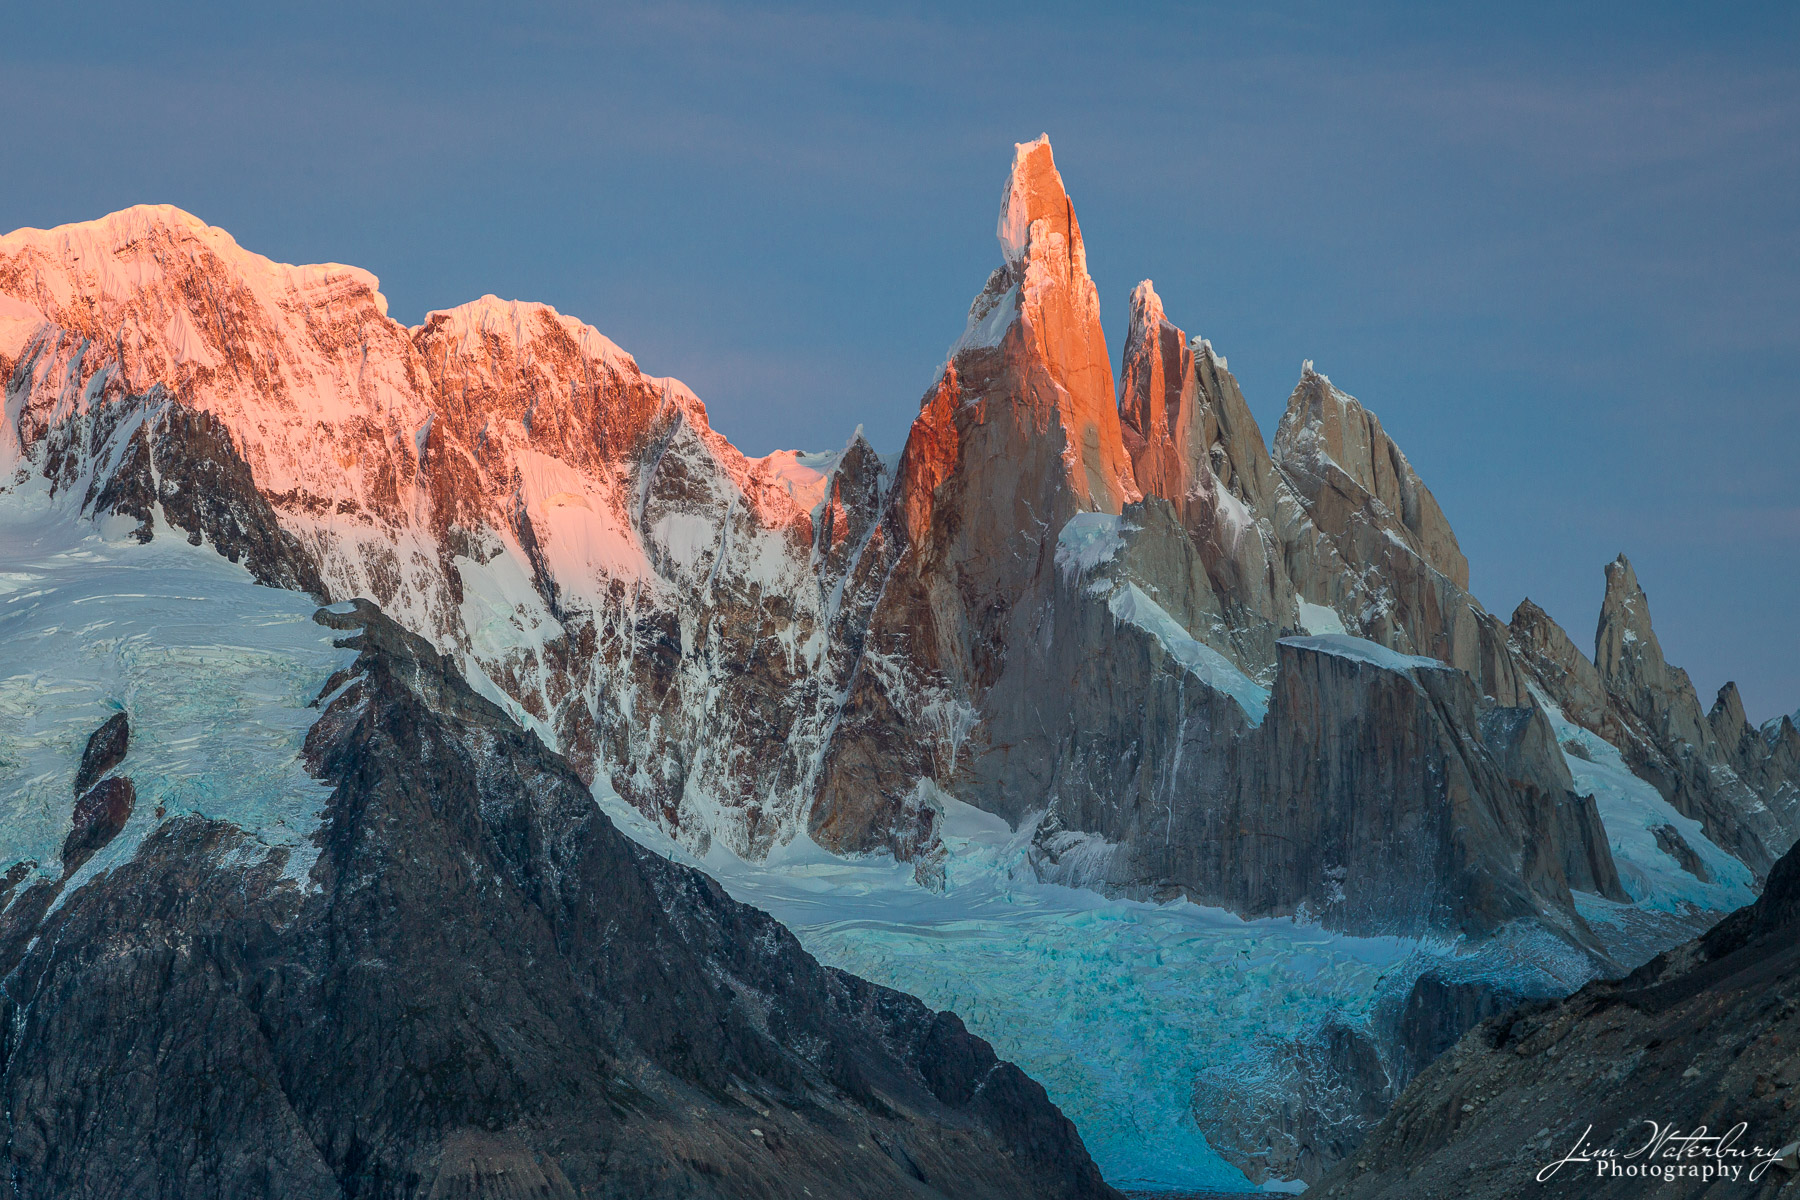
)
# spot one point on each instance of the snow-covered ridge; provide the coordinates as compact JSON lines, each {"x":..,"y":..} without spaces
{"x":98,"y":259}
{"x":502,"y":479}
{"x":1090,"y":542}
{"x":1632,"y":811}
{"x":1131,"y":605}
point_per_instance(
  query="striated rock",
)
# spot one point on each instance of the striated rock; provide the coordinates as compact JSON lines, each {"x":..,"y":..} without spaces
{"x":105,"y":750}
{"x":1363,"y":536}
{"x":184,"y":464}
{"x":1353,"y":731}
{"x":1524,"y":748}
{"x":1670,"y":743}
{"x":481,"y":985}
{"x":1357,"y":791}
{"x":1562,"y":671}
{"x":1346,"y":467}
{"x":1742,"y":785}
{"x":1704,"y":1035}
{"x":1630,"y":662}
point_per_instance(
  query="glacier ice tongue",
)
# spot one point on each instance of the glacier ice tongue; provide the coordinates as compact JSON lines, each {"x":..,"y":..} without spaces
{"x":1115,"y":1006}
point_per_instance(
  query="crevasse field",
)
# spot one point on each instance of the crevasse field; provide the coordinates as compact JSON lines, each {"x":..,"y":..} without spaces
{"x":1117,"y":1007}
{"x":215,"y":673}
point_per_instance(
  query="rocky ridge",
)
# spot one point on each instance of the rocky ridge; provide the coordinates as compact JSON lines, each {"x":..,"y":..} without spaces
{"x":480,"y":989}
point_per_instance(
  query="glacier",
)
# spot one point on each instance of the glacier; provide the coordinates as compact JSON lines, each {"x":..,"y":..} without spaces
{"x":1116,"y":1006}
{"x":216,"y":673}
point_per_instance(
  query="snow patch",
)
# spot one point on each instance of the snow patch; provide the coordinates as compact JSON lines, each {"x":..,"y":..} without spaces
{"x":1364,"y":651}
{"x":1318,"y":619}
{"x":1014,"y":226}
{"x":988,"y":325}
{"x":1089,"y":539}
{"x":805,"y":477}
{"x":18,"y":322}
{"x":1131,"y":605}
{"x":520,"y":322}
{"x":1631,"y":810}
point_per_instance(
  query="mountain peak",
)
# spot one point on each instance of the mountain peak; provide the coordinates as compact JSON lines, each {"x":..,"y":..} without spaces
{"x":1327,"y":439}
{"x":121,"y":225}
{"x":107,"y":258}
{"x":1624,"y":619}
{"x":521,"y":322}
{"x":1035,"y":192}
{"x":1146,"y":306}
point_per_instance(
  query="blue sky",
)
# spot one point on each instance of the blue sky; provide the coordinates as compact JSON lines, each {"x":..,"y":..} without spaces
{"x":1557,"y":251}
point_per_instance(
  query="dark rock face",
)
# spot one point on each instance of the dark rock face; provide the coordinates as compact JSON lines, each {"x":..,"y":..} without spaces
{"x":99,"y":816}
{"x":1705,"y":1034}
{"x":1524,"y":748}
{"x":105,"y":750}
{"x":1439,"y":1010}
{"x":482,"y":986}
{"x":1360,"y":801}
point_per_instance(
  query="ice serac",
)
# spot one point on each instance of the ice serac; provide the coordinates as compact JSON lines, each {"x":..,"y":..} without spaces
{"x":1019,"y":434}
{"x":1194,"y":443}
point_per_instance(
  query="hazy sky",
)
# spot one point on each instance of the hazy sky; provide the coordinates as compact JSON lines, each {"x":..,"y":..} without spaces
{"x":1558,"y":254}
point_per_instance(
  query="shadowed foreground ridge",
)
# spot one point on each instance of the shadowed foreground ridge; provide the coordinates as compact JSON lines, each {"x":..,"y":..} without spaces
{"x":483,"y":990}
{"x":1706,"y":1034}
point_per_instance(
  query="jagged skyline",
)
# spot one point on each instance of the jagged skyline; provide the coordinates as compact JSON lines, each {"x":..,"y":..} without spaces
{"x":1514,"y":224}
{"x":1072,"y":640}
